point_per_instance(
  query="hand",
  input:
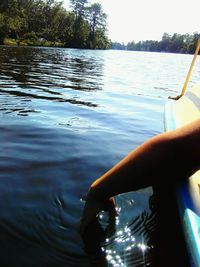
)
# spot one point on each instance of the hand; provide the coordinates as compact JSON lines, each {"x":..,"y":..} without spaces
{"x":92,"y":208}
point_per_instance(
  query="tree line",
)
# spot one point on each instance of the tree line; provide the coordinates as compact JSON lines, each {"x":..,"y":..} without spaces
{"x":47,"y":22}
{"x":176,"y":43}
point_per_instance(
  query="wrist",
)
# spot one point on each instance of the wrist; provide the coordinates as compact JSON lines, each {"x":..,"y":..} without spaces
{"x":96,"y":195}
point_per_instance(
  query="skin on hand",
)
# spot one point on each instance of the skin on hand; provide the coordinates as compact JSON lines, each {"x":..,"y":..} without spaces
{"x":93,"y":207}
{"x":160,"y":159}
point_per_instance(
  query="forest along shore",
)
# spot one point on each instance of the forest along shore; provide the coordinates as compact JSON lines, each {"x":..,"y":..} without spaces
{"x":49,"y":23}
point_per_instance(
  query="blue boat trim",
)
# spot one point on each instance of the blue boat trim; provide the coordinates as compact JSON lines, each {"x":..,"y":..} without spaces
{"x":190,"y":220}
{"x":195,"y":99}
{"x":169,"y":122}
{"x":193,"y":225}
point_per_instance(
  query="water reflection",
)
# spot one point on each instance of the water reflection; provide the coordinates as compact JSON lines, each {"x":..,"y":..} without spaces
{"x":145,"y":240}
{"x":120,"y":243}
{"x":92,"y":239}
{"x":67,"y":117}
{"x":30,"y":96}
{"x":46,"y":74}
{"x":39,"y":208}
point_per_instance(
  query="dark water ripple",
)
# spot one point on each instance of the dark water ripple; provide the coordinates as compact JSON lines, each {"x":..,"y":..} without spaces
{"x":131,"y":245}
{"x":67,"y":116}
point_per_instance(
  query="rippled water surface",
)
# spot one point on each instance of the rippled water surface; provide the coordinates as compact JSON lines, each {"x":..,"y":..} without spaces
{"x":66,"y":116}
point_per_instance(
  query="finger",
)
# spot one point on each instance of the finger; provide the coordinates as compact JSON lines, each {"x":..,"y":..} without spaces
{"x":90,"y":212}
{"x":111,"y":207}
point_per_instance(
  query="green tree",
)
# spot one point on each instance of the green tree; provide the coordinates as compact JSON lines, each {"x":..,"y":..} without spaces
{"x":53,"y":15}
{"x":166,"y":41}
{"x":80,"y":27}
{"x":131,"y":45}
{"x":176,"y":43}
{"x":119,"y":46}
{"x":193,"y":42}
{"x":29,"y":21}
{"x":65,"y":25}
{"x":11,"y":23}
{"x":78,"y":7}
{"x":97,"y":26}
{"x":101,"y":40}
{"x":3,"y":28}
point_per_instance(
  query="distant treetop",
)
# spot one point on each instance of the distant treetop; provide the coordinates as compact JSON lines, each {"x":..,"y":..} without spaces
{"x":176,"y":43}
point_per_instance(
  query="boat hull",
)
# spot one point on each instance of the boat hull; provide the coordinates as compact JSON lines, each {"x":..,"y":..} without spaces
{"x":179,"y":113}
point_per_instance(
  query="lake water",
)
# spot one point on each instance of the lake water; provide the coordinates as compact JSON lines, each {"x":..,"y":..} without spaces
{"x":67,"y":116}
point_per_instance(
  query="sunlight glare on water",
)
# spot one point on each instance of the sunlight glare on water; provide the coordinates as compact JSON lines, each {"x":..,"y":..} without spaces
{"x":67,"y":116}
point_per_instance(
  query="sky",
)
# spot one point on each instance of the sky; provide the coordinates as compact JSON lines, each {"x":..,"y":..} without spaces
{"x":137,"y":20}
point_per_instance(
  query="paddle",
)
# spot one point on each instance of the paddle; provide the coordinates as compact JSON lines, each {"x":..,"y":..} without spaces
{"x":191,"y":67}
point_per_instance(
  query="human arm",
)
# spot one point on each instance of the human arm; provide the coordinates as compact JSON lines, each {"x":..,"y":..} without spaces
{"x":161,"y":158}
